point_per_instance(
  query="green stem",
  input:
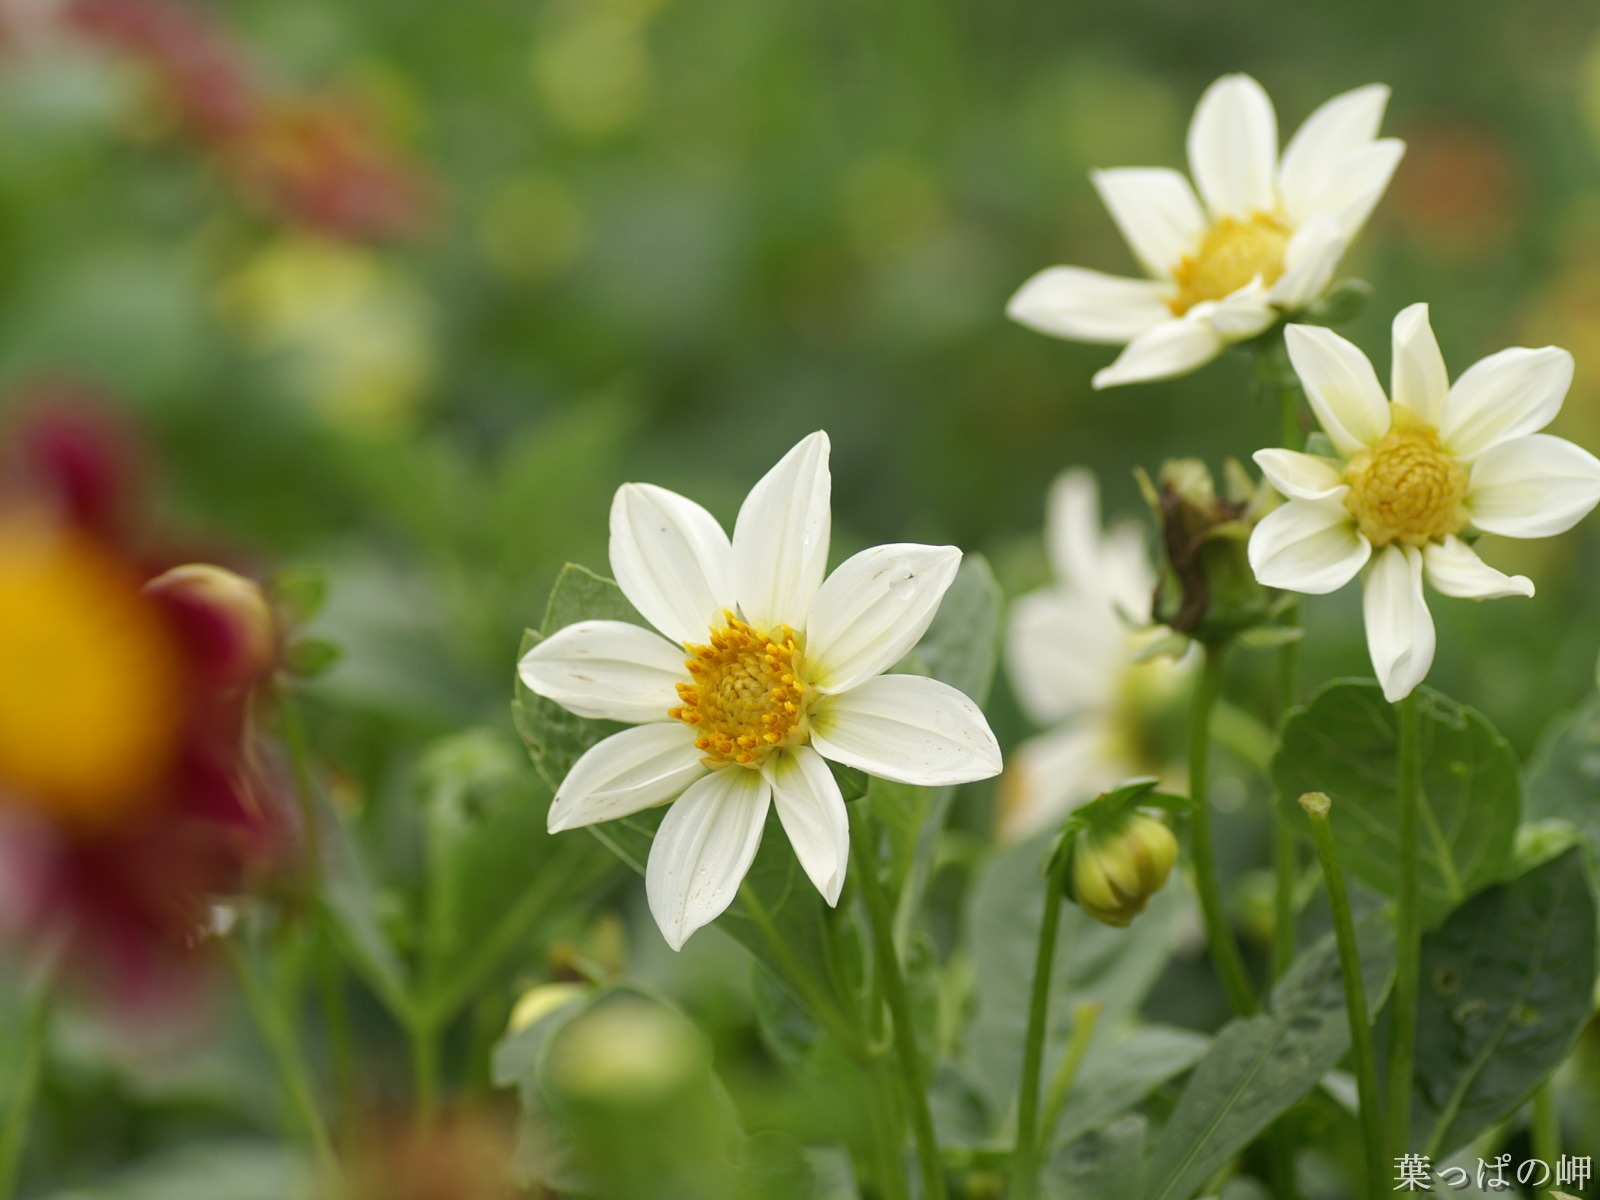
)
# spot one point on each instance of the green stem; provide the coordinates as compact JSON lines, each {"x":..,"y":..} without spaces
{"x":1546,"y":1124}
{"x":1224,"y":950}
{"x":1084,"y":1019}
{"x":800,"y":980}
{"x":424,"y":1035}
{"x":24,"y":1089}
{"x":1025,"y":1162}
{"x":1355,"y":995}
{"x":1408,"y":946}
{"x":341,"y":1046}
{"x":278,"y":1033}
{"x":299,"y":747}
{"x":881,"y":920}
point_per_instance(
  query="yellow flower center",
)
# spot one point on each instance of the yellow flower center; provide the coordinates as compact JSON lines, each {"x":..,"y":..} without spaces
{"x":747,"y":695}
{"x":1407,"y":489}
{"x":90,"y":690}
{"x":1231,"y":255}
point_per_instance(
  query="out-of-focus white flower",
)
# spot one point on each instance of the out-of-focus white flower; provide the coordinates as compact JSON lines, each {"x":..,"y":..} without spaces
{"x":1266,"y":240}
{"x":1070,"y":654}
{"x":1412,"y":475}
{"x":766,"y":669}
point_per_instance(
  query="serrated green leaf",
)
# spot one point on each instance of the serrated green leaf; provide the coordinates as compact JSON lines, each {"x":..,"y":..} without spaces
{"x":1259,"y":1066}
{"x":1345,"y":743}
{"x":1507,"y":985}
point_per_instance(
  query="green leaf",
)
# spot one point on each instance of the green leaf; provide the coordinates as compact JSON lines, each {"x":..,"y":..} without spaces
{"x":352,"y":906}
{"x":1259,"y":1066}
{"x":299,"y":594}
{"x":1099,"y":1166}
{"x":236,"y":1169}
{"x":308,"y":658}
{"x":1094,"y":963}
{"x":773,"y":1166}
{"x":1346,"y":743}
{"x":1563,"y":778}
{"x":1507,"y":985}
{"x":1120,"y":1071}
{"x":494,"y":874}
{"x":554,"y":737}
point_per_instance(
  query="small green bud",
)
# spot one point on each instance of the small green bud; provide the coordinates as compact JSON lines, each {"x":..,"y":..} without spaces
{"x":1115,"y":869}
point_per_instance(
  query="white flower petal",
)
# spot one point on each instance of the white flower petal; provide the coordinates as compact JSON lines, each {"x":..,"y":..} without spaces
{"x":780,"y":541}
{"x":1066,"y":652}
{"x":1360,"y":182}
{"x":1418,"y":379}
{"x":703,"y":849}
{"x":1340,"y":386}
{"x":628,"y":771}
{"x":1049,"y":776}
{"x":1233,"y":148}
{"x":1309,"y":546}
{"x":671,"y":559}
{"x":1504,"y":396}
{"x":1312,"y":159}
{"x":908,"y":729}
{"x":1156,"y":210}
{"x":873,"y":608}
{"x":1454,"y":568}
{"x":1242,"y":314}
{"x":1173,"y":347}
{"x":813,"y":814}
{"x":1400,"y":634}
{"x":1302,"y":476}
{"x":1534,"y":486}
{"x":606,"y":670}
{"x":1309,"y":261}
{"x":1072,"y":526}
{"x":1089,"y":306}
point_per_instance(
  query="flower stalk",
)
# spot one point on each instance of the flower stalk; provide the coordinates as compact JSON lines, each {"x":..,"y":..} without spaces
{"x":1224,"y":949}
{"x":1403,"y":1036}
{"x":881,"y":920}
{"x":1317,"y":807}
{"x":1085,"y":1017}
{"x":24,"y":1090}
{"x":1025,"y":1162}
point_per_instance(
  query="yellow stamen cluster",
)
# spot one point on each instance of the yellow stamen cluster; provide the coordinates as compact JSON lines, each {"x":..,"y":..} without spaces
{"x":1231,"y":255}
{"x":1407,"y":489}
{"x":747,"y":696}
{"x":90,"y":687}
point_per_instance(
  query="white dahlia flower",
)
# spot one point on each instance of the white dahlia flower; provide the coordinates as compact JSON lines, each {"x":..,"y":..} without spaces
{"x":1265,"y":241}
{"x":761,"y":670}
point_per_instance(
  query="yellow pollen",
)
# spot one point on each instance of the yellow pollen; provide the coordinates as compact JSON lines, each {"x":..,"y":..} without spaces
{"x":747,"y":694}
{"x":90,"y":691}
{"x":1407,"y":489}
{"x":1230,"y":256}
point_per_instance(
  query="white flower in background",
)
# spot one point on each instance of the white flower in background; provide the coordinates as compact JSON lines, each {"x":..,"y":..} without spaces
{"x":762,"y":669}
{"x":1266,"y":241}
{"x":1414,"y":474}
{"x":1070,"y":654}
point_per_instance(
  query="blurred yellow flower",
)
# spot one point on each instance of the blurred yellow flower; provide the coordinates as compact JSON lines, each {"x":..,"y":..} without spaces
{"x":355,"y":334}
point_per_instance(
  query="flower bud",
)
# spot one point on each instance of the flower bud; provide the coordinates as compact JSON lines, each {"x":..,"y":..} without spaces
{"x":225,"y":618}
{"x":1207,"y":590}
{"x":1116,"y":869}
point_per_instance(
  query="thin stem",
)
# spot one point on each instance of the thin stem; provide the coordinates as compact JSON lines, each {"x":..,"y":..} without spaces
{"x":1403,"y":1027}
{"x":1355,"y":995}
{"x":278,"y":1033}
{"x":299,"y":747}
{"x":1084,"y":1019}
{"x":341,"y":1046}
{"x":1546,"y":1124}
{"x":424,"y":1035}
{"x":822,"y":1006}
{"x":24,"y":1090}
{"x":1025,"y":1163}
{"x":881,"y":919}
{"x":1224,"y":950}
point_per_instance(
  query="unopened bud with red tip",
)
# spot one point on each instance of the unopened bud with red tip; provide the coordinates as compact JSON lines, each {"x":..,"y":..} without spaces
{"x":226,"y":619}
{"x":1115,"y":868}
